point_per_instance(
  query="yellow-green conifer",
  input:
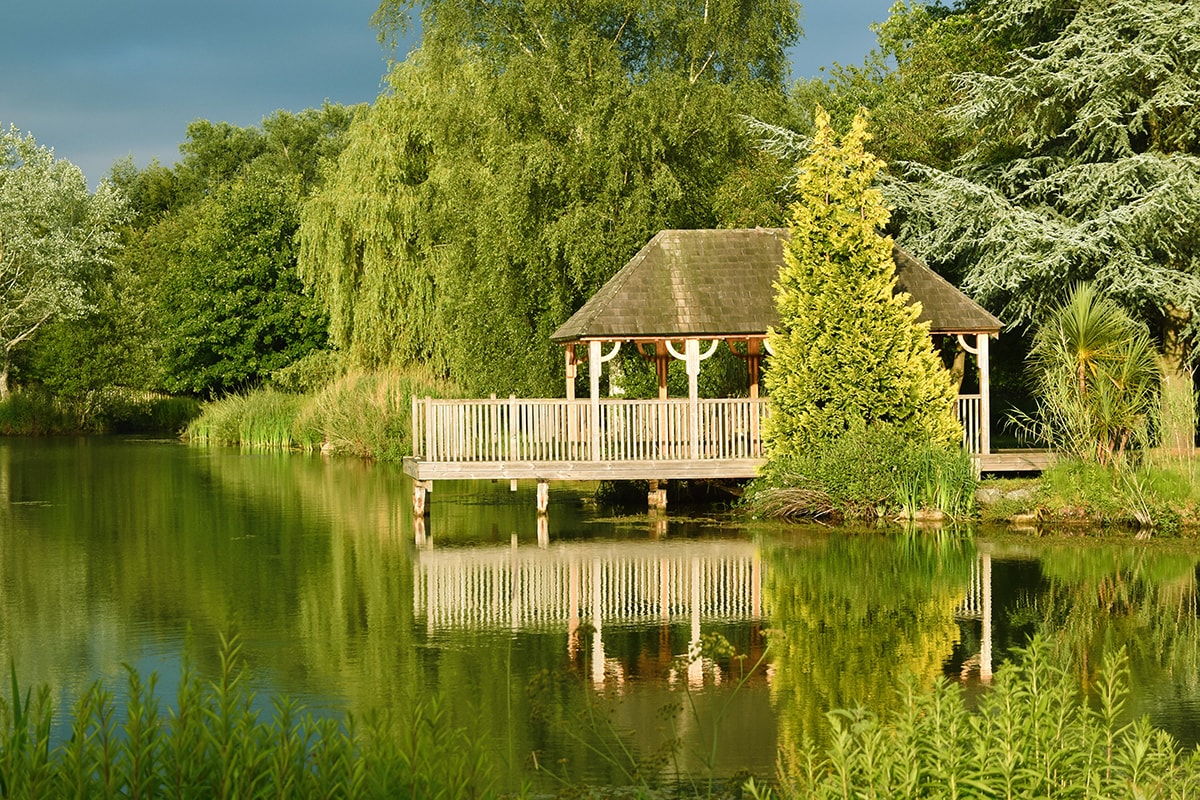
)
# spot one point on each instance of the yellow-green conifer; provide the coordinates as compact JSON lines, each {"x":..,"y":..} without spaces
{"x":849,"y":351}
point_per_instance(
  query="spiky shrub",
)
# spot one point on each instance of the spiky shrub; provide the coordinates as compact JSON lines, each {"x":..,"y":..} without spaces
{"x":848,"y":350}
{"x":1097,"y":377}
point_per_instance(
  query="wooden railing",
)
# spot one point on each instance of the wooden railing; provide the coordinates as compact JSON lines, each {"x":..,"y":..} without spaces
{"x":968,"y":411}
{"x":516,"y":429}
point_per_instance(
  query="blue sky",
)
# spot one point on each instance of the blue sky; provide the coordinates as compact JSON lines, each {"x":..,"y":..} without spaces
{"x":101,"y":80}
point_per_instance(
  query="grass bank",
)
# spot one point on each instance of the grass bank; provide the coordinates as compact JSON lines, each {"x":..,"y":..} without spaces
{"x":368,"y":415}
{"x":1160,"y":495}
{"x":32,"y":412}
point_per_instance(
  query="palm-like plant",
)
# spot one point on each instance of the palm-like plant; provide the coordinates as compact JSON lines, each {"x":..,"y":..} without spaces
{"x":1097,"y":378}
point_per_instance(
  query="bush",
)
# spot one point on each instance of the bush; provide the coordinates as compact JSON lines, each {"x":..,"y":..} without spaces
{"x":1034,"y":734}
{"x":34,"y":412}
{"x":870,"y":471}
{"x":212,"y":743}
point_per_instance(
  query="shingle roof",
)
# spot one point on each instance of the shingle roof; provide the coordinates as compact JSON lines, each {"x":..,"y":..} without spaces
{"x":719,"y":283}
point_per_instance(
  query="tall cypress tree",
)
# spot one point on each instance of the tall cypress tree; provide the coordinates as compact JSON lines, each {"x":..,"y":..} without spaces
{"x":849,"y":351}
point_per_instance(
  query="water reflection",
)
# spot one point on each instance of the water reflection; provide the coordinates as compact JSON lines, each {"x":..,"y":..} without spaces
{"x":552,"y":638}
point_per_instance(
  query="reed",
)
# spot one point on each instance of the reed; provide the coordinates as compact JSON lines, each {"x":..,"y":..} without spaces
{"x":359,"y":414}
{"x":211,"y":742}
{"x":257,"y":419}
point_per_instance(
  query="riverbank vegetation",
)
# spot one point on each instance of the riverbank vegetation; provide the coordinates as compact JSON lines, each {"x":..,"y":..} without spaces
{"x":215,"y":739}
{"x":518,"y":157}
{"x":1037,"y":731}
{"x":368,"y":415}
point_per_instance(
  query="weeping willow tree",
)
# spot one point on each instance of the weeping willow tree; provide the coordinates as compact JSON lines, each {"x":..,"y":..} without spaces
{"x":518,"y":159}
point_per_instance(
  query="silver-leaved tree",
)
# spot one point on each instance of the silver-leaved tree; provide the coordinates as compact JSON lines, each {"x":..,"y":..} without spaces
{"x":55,"y":236}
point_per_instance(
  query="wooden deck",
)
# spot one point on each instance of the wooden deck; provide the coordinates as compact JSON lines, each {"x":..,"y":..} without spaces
{"x":616,"y":439}
{"x":1016,"y":461}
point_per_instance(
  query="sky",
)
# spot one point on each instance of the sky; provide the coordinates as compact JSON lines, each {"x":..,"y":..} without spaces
{"x":102,"y":80}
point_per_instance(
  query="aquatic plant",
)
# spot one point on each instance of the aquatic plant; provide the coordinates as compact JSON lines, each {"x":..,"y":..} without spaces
{"x":1035,"y":733}
{"x":212,"y":742}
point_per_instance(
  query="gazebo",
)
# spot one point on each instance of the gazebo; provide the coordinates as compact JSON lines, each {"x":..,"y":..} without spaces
{"x":683,"y":294}
{"x":698,"y":288}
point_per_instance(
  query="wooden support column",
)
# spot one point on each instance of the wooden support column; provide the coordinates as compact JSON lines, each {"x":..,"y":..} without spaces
{"x":596,"y":359}
{"x":985,"y":395}
{"x":692,"y":357}
{"x":656,"y":499}
{"x":543,"y":496}
{"x":420,"y":490}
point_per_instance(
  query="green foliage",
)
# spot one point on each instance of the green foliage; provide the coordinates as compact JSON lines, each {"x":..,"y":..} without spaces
{"x":212,"y":742}
{"x":520,"y":157}
{"x":1096,"y":377}
{"x":308,"y":374}
{"x":1085,"y":165}
{"x":1149,"y":497}
{"x":207,"y":298}
{"x":867,"y":472}
{"x":56,"y":240}
{"x":32,"y":412}
{"x":849,"y":350}
{"x":1034,"y":735}
{"x":368,"y":415}
{"x":236,"y":245}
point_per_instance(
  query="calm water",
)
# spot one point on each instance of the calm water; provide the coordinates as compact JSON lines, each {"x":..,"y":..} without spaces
{"x":545,"y":640}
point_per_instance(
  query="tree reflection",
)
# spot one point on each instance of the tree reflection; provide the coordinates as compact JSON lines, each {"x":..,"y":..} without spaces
{"x":854,"y":613}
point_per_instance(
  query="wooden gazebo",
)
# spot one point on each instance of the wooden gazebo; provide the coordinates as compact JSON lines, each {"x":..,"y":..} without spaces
{"x":700,"y":287}
{"x":683,"y":294}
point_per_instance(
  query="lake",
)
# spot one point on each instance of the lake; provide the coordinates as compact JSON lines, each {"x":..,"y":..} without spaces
{"x":563,"y":643}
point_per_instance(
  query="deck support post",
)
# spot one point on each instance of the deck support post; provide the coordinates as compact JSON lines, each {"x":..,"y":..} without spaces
{"x":543,"y":497}
{"x":985,"y":649}
{"x":656,"y":498}
{"x":420,"y":490}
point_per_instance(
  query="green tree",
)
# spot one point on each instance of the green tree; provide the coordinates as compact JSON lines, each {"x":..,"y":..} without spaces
{"x":232,"y":307}
{"x":519,"y":158}
{"x":208,"y":292}
{"x":849,"y":351}
{"x":56,"y":241}
{"x":1085,"y":167}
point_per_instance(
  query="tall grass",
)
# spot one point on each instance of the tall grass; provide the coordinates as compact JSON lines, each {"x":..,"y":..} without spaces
{"x":33,"y":412}
{"x":211,"y":742}
{"x":360,"y":414}
{"x":868,"y":472}
{"x":1034,"y":734}
{"x":260,"y":419}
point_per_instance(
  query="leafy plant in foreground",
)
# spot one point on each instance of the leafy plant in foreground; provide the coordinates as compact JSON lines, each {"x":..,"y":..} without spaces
{"x":214,"y":742}
{"x":1034,"y":734}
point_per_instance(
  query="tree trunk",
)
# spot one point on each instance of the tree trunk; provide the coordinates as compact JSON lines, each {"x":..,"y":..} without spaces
{"x":4,"y":376}
{"x":1178,"y":423}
